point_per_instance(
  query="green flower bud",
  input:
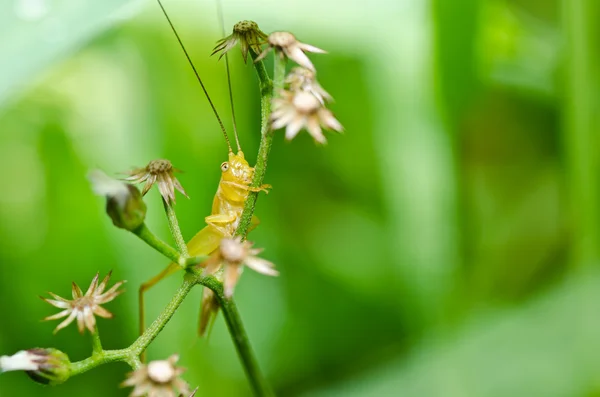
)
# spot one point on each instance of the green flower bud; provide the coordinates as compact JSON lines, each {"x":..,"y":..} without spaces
{"x":47,"y":366}
{"x":124,"y":203}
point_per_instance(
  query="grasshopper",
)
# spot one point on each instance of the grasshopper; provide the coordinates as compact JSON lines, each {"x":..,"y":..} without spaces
{"x":229,"y":200}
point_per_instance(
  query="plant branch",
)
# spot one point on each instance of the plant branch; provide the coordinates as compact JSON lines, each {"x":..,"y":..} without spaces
{"x":175,"y":230}
{"x":131,"y":354}
{"x":267,"y":88}
{"x":96,"y":342}
{"x":154,"y":329}
{"x":152,"y":240}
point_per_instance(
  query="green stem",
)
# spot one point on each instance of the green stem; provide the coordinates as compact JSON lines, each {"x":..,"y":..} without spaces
{"x":175,"y":230}
{"x":96,"y":342}
{"x":104,"y":357}
{"x":152,"y":240}
{"x":152,"y":332}
{"x":131,"y":354}
{"x":580,"y":132}
{"x":242,"y":344}
{"x":267,"y":90}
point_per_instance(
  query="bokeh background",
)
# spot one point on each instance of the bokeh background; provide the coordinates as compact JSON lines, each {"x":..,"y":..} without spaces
{"x":446,"y":245}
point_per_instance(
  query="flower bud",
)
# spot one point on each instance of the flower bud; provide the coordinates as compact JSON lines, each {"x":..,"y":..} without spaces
{"x":47,"y":366}
{"x":124,"y":203}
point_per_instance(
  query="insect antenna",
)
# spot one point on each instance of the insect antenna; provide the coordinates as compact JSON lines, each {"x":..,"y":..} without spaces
{"x":196,"y":73}
{"x":222,"y":21}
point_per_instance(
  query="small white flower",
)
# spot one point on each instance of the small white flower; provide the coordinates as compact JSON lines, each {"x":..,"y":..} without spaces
{"x":233,"y":253}
{"x":297,"y":110}
{"x":124,"y":203}
{"x":103,"y":185}
{"x":46,"y":366}
{"x":20,"y":361}
{"x":159,"y":378}
{"x":285,"y":44}
{"x":84,"y":307}
{"x":302,"y":79}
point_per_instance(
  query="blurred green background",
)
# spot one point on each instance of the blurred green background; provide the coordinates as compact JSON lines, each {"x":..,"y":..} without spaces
{"x":446,"y":245}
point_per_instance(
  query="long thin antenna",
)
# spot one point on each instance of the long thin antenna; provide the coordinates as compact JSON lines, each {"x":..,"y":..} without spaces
{"x":222,"y":21}
{"x":196,"y":73}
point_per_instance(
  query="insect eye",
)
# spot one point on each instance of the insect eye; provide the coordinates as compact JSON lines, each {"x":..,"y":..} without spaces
{"x":225,"y":166}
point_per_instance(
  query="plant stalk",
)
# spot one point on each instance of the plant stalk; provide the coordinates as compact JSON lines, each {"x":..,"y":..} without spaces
{"x":152,"y":240}
{"x":175,"y":230}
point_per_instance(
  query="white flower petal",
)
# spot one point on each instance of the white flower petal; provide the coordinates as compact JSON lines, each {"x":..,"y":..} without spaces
{"x":20,"y":361}
{"x":103,"y":185}
{"x":262,"y":266}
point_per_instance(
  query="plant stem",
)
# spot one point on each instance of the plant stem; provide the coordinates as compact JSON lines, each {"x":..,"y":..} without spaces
{"x":131,"y":354}
{"x":175,"y":230}
{"x":151,"y":332}
{"x":580,"y":132}
{"x":104,"y":357}
{"x":152,"y":240}
{"x":242,"y":344}
{"x":96,"y":342}
{"x":267,"y":89}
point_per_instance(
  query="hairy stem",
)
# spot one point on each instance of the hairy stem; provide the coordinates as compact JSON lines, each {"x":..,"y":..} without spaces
{"x":96,"y":342}
{"x":152,"y":240}
{"x":230,"y":312}
{"x":175,"y":230}
{"x":242,"y":344}
{"x":131,"y":354}
{"x":148,"y":336}
{"x":267,"y":88}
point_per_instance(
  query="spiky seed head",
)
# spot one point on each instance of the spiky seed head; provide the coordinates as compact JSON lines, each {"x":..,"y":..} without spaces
{"x":84,"y":307}
{"x":160,"y":172}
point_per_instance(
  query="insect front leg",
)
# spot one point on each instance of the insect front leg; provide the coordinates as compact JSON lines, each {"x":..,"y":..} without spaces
{"x":263,"y":188}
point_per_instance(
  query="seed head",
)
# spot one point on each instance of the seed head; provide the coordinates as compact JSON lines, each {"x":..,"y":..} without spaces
{"x":83,"y":307}
{"x":159,"y":378}
{"x":248,"y":34}
{"x":285,"y":44}
{"x":46,"y":366}
{"x":162,"y":173}
{"x":232,"y":254}
{"x":297,"y":110}
{"x":302,"y":79}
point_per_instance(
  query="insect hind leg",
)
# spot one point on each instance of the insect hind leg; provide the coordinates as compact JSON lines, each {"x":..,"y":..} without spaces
{"x":172,"y":268}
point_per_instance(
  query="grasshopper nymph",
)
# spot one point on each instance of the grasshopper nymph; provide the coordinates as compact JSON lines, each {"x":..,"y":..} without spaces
{"x":228,"y":204}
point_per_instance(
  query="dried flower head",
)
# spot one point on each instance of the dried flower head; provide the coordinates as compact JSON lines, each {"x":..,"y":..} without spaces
{"x":84,"y":307}
{"x":248,"y":34}
{"x":302,"y":79}
{"x":162,"y":173}
{"x":297,"y":110}
{"x":159,"y":378}
{"x":285,"y":44}
{"x":124,"y":203}
{"x":233,"y":253}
